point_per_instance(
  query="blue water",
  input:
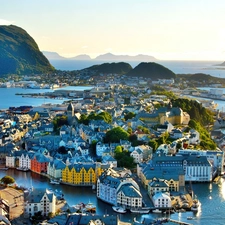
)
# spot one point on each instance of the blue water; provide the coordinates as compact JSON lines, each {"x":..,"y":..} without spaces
{"x":9,"y":97}
{"x":178,"y":67}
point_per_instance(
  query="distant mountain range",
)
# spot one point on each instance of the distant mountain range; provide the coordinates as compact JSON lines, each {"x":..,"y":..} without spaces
{"x":109,"y":57}
{"x":222,"y":64}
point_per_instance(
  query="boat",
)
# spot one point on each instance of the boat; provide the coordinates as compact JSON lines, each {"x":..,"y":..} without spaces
{"x":140,"y":210}
{"x":157,"y":211}
{"x":90,"y":207}
{"x":25,"y":169}
{"x":195,"y":205}
{"x":189,"y":218}
{"x":80,"y":206}
{"x":4,"y":168}
{"x":54,"y":182}
{"x":119,"y":209}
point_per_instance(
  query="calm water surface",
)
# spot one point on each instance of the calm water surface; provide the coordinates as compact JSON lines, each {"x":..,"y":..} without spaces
{"x":9,"y":97}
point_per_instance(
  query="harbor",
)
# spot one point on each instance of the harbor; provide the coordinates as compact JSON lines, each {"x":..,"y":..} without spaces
{"x":209,"y":194}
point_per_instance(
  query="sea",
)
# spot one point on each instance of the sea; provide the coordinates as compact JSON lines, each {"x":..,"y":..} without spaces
{"x":13,"y":97}
{"x":178,"y":66}
{"x":211,"y":195}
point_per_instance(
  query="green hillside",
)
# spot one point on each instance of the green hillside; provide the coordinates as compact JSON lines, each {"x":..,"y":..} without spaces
{"x":115,"y":68}
{"x":19,"y":53}
{"x":152,"y":70}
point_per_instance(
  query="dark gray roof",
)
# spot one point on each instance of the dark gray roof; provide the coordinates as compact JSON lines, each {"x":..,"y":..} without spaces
{"x":36,"y":195}
{"x":130,"y":191}
{"x":81,"y":219}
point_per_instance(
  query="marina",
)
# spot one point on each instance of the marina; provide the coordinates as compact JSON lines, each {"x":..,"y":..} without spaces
{"x":210,"y":195}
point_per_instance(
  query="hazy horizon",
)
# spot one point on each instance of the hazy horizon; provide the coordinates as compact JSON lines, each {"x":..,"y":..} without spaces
{"x":167,"y":30}
{"x":183,"y":60}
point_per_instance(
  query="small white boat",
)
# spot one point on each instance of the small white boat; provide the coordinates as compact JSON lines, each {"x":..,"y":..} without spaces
{"x":195,"y":205}
{"x":119,"y":209}
{"x":25,"y":169}
{"x":140,"y":210}
{"x":4,"y":168}
{"x":54,"y":182}
{"x":79,"y":206}
{"x":189,"y":218}
{"x":156,"y":211}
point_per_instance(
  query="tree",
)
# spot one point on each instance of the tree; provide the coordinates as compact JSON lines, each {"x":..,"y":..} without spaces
{"x":23,"y":145}
{"x":129,"y":115}
{"x":118,"y":149}
{"x":93,"y":116}
{"x":116,"y":134}
{"x":129,"y":130}
{"x":83,"y":119}
{"x":133,"y":137}
{"x":59,"y":121}
{"x":93,"y":147}
{"x":179,"y":145}
{"x":153,"y":144}
{"x":195,"y":109}
{"x":6,"y":180}
{"x":124,"y":159}
{"x":62,"y":150}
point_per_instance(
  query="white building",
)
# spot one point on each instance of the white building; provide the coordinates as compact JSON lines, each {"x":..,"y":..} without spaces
{"x":55,"y":168}
{"x":25,"y":160}
{"x":118,"y":190}
{"x":157,"y":186}
{"x":10,"y":161}
{"x":137,"y":154}
{"x":215,"y":158}
{"x":161,"y":200}
{"x":129,"y":195}
{"x":194,"y":137}
{"x":40,"y":200}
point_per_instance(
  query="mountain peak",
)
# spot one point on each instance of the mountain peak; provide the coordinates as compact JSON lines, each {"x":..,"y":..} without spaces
{"x":20,"y":54}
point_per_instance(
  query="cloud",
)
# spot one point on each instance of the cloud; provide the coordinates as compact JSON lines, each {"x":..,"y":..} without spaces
{"x":85,"y":46}
{"x":5,"y":22}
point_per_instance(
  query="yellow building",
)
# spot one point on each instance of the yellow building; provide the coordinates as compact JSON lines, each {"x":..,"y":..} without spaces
{"x":174,"y":115}
{"x":81,"y":174}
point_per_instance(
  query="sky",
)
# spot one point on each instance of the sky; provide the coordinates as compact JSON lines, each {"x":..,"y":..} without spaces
{"x":165,"y":29}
